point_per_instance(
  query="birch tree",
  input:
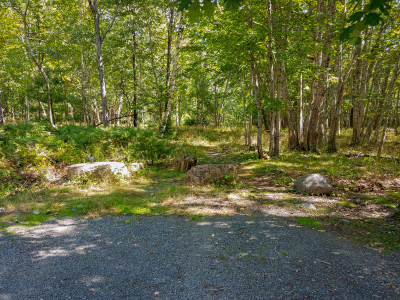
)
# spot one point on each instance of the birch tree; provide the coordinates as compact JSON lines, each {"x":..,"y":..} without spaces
{"x":99,"y":39}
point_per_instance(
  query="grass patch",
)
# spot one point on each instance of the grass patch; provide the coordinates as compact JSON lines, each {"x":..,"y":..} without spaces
{"x":374,"y":233}
{"x":196,"y":217}
{"x":346,"y":203}
{"x":309,"y":222}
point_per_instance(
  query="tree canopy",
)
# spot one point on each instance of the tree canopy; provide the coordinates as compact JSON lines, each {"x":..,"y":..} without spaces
{"x":309,"y":67}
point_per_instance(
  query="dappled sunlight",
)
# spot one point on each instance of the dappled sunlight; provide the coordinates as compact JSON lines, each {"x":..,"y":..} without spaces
{"x":209,"y":210}
{"x":59,"y":227}
{"x":62,"y":252}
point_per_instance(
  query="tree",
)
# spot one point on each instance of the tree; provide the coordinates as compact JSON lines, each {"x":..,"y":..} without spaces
{"x":99,"y":39}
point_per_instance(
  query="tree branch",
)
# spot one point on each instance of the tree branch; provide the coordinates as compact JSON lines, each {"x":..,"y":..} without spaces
{"x":114,"y":119}
{"x":112,"y":22}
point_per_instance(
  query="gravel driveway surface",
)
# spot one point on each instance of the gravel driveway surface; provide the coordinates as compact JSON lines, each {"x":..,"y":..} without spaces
{"x":236,"y":257}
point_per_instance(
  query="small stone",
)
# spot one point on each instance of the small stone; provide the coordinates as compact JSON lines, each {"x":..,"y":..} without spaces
{"x":307,"y":205}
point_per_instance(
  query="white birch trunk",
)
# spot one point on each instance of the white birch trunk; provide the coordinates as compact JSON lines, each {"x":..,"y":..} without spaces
{"x":28,"y":117}
{"x":119,"y":108}
{"x":100,"y":64}
{"x":167,"y":114}
{"x":43,"y":109}
{"x":71,"y":112}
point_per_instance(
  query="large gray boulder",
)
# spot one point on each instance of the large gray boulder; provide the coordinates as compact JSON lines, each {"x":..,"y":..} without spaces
{"x":205,"y":174}
{"x":315,"y":184}
{"x":98,"y":170}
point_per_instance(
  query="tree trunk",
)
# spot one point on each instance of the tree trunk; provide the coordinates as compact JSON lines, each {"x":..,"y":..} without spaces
{"x":153,"y":67}
{"x":375,"y":101}
{"x":293,"y":140}
{"x":396,"y":114}
{"x":246,"y":141}
{"x":96,"y":111}
{"x":358,"y":100}
{"x":336,"y":103}
{"x":259,"y":114}
{"x":83,"y":89}
{"x":250,"y":133}
{"x":167,"y":115}
{"x":134,"y":57}
{"x":216,"y":106}
{"x":72,"y":112}
{"x":28,"y":117}
{"x":300,"y":118}
{"x":320,"y":85}
{"x":388,"y":105}
{"x":1,"y":113}
{"x":275,"y":120}
{"x":119,"y":109}
{"x":177,"y":120}
{"x":39,"y":65}
{"x":43,"y":109}
{"x":255,"y":76}
{"x":100,"y":65}
{"x":169,"y":54}
{"x":380,"y":108}
{"x":272,"y":85}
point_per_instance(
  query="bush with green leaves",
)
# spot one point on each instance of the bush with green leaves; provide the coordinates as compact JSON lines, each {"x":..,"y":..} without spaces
{"x":32,"y":144}
{"x":149,"y":147}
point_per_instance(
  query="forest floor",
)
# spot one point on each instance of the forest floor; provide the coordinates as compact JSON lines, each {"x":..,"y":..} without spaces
{"x":362,"y":208}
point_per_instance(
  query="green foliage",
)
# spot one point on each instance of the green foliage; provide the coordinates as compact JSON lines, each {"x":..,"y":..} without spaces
{"x":149,"y":147}
{"x":31,"y":144}
{"x":229,"y":179}
{"x":197,"y":9}
{"x":190,"y":121}
{"x":397,"y":212}
{"x":366,"y":17}
{"x":309,"y":222}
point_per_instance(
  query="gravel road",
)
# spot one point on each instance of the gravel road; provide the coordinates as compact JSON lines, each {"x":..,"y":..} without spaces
{"x":236,"y":257}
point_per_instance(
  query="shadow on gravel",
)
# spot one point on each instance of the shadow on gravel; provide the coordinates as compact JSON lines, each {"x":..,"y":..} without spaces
{"x":237,"y":257}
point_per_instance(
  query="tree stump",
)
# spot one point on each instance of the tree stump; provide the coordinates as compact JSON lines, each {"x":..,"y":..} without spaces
{"x":185,"y":163}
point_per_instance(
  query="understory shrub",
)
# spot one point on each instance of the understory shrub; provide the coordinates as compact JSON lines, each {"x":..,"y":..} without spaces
{"x":150,"y":147}
{"x":32,"y":144}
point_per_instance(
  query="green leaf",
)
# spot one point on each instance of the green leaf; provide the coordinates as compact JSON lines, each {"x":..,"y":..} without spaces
{"x":360,"y":26}
{"x":345,"y":34}
{"x":358,"y":41}
{"x":356,"y":17}
{"x":233,"y":4}
{"x":382,"y":5}
{"x":183,"y":4}
{"x":372,"y":19}
{"x":208,"y":8}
